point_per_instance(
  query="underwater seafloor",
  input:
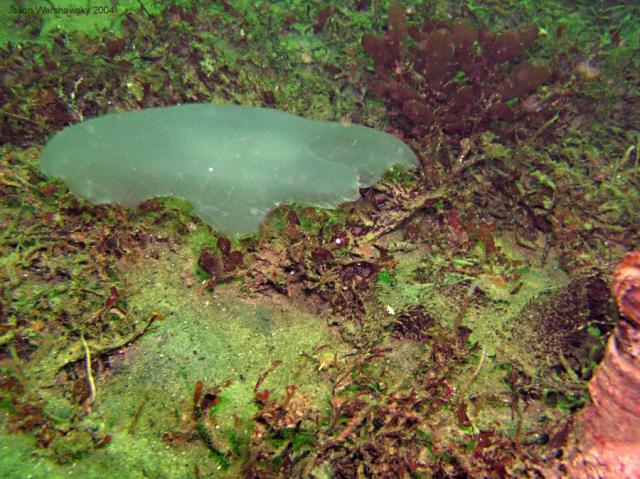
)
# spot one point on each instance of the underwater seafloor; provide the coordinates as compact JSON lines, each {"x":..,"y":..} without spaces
{"x":444,"y":325}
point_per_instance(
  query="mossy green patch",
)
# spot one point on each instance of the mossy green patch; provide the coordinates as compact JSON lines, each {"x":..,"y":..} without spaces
{"x":450,"y":295}
{"x":222,"y":338}
{"x":209,"y":337}
{"x":34,"y":19}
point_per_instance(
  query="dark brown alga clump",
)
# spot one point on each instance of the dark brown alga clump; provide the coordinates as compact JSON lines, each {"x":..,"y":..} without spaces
{"x":451,"y":77}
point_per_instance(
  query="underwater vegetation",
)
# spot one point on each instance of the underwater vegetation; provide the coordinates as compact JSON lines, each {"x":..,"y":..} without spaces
{"x":452,"y":78}
{"x":450,"y":322}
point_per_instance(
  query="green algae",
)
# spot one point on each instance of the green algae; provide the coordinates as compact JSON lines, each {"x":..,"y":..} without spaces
{"x":502,"y":339}
{"x":69,"y":15}
{"x":507,"y":298}
{"x":210,"y":337}
{"x":300,"y":88}
{"x":204,"y":337}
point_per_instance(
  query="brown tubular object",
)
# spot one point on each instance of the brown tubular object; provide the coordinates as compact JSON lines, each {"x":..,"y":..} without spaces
{"x":607,"y":433}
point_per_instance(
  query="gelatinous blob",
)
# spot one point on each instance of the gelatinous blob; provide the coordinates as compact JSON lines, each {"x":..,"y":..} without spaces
{"x":233,"y":163}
